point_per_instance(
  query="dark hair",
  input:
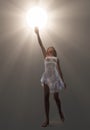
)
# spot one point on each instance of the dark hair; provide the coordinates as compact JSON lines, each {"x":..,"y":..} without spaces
{"x":55,"y":53}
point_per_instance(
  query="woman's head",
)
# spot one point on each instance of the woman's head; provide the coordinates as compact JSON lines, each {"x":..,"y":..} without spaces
{"x":51,"y":51}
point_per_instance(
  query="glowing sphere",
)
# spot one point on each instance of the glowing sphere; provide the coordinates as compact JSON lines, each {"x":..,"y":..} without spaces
{"x":36,"y":17}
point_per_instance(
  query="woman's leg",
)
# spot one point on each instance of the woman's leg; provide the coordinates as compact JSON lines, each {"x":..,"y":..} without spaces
{"x":58,"y":102}
{"x":46,"y":105}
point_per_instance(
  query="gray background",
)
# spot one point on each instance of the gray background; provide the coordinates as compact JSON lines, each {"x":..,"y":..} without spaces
{"x":21,"y":65}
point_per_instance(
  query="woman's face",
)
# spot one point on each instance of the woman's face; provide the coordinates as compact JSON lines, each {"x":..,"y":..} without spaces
{"x":50,"y":51}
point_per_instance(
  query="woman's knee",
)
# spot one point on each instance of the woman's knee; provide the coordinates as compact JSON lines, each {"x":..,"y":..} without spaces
{"x":46,"y":91}
{"x":56,"y":97}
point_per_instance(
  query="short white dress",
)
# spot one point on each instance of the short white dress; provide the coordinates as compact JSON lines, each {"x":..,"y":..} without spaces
{"x":51,"y":76}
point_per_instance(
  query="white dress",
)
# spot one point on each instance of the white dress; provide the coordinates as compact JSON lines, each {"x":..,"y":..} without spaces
{"x":51,"y":75}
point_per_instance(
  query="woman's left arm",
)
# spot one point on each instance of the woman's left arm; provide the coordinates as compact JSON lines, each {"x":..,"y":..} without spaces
{"x":60,"y":72}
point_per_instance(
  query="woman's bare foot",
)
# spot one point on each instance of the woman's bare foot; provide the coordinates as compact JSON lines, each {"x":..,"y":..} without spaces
{"x":62,"y":117}
{"x":45,"y":124}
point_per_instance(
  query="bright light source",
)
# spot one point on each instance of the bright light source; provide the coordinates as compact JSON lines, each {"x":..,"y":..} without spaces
{"x":36,"y":17}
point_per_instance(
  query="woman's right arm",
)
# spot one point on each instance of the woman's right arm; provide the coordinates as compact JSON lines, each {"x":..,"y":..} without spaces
{"x":40,"y":42}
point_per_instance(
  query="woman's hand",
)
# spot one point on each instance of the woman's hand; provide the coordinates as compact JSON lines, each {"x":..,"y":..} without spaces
{"x":36,"y":30}
{"x":65,"y":85}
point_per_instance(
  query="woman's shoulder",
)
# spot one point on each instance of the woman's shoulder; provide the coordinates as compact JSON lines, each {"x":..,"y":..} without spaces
{"x":51,"y":58}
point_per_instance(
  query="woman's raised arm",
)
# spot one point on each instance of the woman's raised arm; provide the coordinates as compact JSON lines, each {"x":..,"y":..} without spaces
{"x":40,"y":42}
